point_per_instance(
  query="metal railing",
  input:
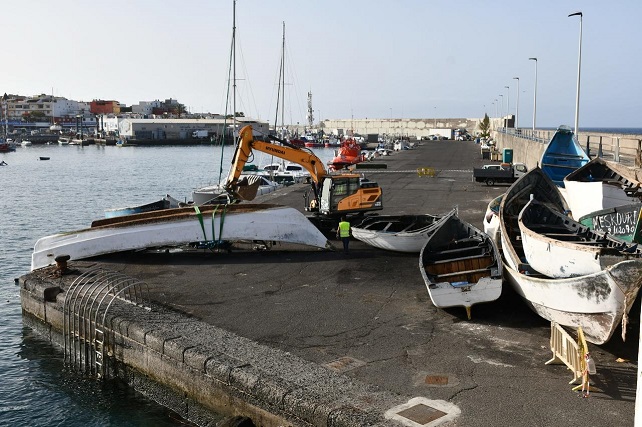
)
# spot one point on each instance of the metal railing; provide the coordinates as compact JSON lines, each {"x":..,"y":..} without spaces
{"x":85,"y":332}
{"x":624,"y":149}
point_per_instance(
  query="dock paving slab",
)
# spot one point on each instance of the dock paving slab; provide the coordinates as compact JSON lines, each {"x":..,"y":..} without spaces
{"x":324,"y":338}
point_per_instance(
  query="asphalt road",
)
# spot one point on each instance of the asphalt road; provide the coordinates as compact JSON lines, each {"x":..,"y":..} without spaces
{"x":372,"y":307}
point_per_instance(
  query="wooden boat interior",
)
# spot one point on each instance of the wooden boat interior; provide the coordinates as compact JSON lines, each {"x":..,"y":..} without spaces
{"x":459,"y":255}
{"x":546,"y":221}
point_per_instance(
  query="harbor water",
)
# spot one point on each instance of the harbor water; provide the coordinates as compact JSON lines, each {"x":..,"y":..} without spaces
{"x":64,"y":193}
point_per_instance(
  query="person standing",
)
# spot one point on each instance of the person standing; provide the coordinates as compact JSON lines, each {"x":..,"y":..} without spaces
{"x":343,"y":232}
{"x":589,"y":369}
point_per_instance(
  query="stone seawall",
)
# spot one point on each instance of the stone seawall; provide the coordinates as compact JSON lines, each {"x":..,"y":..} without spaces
{"x":199,"y":370}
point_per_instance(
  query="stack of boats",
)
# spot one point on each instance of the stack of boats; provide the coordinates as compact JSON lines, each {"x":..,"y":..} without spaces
{"x":568,"y":238}
{"x":566,"y":272}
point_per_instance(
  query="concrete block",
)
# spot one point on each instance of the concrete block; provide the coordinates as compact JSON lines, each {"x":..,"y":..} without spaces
{"x":220,"y":366}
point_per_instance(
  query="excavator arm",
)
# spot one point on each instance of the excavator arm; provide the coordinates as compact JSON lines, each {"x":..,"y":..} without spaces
{"x":247,"y":144}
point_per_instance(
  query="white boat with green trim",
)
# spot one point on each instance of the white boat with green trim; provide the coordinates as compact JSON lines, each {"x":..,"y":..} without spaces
{"x":205,"y":225}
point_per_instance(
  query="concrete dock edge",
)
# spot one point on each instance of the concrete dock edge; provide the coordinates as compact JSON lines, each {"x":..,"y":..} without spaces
{"x":199,"y":370}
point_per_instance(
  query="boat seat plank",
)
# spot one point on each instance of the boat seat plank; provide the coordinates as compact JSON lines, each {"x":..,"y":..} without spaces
{"x":443,"y":261}
{"x":452,"y":251}
{"x":458,"y":273}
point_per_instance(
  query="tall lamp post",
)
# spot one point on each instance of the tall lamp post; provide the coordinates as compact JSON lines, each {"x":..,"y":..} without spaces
{"x":507,"y":104}
{"x":534,"y":93}
{"x":579,"y":67}
{"x":496,"y":103}
{"x":517,"y":105}
{"x":501,"y":110}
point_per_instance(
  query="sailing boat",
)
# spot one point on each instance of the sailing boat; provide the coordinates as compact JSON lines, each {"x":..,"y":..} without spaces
{"x":216,"y":194}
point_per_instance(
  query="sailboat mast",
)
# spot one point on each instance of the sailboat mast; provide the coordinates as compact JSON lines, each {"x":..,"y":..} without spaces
{"x":234,"y":69}
{"x":283,"y":77}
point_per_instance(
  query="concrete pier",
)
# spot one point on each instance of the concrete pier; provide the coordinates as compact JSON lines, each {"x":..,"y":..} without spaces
{"x":315,"y":338}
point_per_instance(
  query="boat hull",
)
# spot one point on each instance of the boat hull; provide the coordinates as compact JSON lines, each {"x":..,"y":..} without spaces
{"x":173,"y":227}
{"x":622,"y":222}
{"x":596,"y":302}
{"x":601,"y":184}
{"x":573,"y":250}
{"x":562,"y":155}
{"x":460,"y":265}
{"x":392,"y":232}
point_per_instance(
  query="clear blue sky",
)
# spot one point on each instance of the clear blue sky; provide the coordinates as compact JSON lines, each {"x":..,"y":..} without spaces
{"x":361,"y":58}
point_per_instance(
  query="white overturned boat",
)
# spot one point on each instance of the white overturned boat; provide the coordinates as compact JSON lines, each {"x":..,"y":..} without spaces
{"x":174,"y":227}
{"x":400,"y":233}
{"x":557,"y":246}
{"x":595,"y":302}
{"x":461,"y":265}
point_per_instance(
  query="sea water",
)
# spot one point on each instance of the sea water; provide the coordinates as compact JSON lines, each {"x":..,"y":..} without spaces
{"x":43,"y":197}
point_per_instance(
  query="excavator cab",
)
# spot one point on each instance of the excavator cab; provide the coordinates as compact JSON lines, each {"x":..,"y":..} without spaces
{"x":348,"y":193}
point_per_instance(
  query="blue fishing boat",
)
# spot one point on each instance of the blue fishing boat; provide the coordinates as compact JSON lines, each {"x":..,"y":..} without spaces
{"x":562,"y":156}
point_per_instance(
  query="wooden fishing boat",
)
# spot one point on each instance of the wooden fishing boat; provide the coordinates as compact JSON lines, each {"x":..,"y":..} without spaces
{"x":601,"y":184}
{"x":562,"y":155}
{"x":400,"y":233}
{"x":622,"y":222}
{"x":557,"y":246}
{"x":461,"y":265}
{"x":180,"y":226}
{"x":596,"y":302}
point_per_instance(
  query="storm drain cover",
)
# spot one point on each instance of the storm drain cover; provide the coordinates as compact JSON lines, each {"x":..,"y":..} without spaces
{"x":423,"y":412}
{"x":344,"y":364}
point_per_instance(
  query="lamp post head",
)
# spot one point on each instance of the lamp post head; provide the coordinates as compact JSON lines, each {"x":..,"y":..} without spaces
{"x":532,"y":59}
{"x":507,"y":87}
{"x":515,"y":78}
{"x":576,"y":14}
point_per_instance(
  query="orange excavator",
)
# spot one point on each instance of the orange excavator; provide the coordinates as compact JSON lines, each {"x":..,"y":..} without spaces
{"x":333,"y":194}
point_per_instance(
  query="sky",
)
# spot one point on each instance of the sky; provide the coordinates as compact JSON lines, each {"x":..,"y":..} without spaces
{"x":358,"y":58}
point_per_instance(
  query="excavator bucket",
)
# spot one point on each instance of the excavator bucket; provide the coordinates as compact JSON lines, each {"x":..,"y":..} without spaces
{"x":247,"y":187}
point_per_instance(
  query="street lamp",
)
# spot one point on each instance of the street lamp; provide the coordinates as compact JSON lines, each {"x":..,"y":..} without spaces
{"x":534,"y":93}
{"x":507,"y":104}
{"x":579,"y":67}
{"x":517,"y":105}
{"x":496,"y":114}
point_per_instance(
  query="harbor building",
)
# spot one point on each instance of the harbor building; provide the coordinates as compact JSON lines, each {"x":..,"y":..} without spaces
{"x":157,"y":129}
{"x":412,"y":128}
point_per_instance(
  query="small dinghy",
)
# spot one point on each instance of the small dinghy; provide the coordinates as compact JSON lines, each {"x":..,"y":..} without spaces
{"x":400,"y":233}
{"x":461,"y":265}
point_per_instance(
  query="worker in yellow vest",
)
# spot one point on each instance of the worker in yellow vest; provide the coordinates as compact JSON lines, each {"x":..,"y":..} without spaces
{"x":343,"y":232}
